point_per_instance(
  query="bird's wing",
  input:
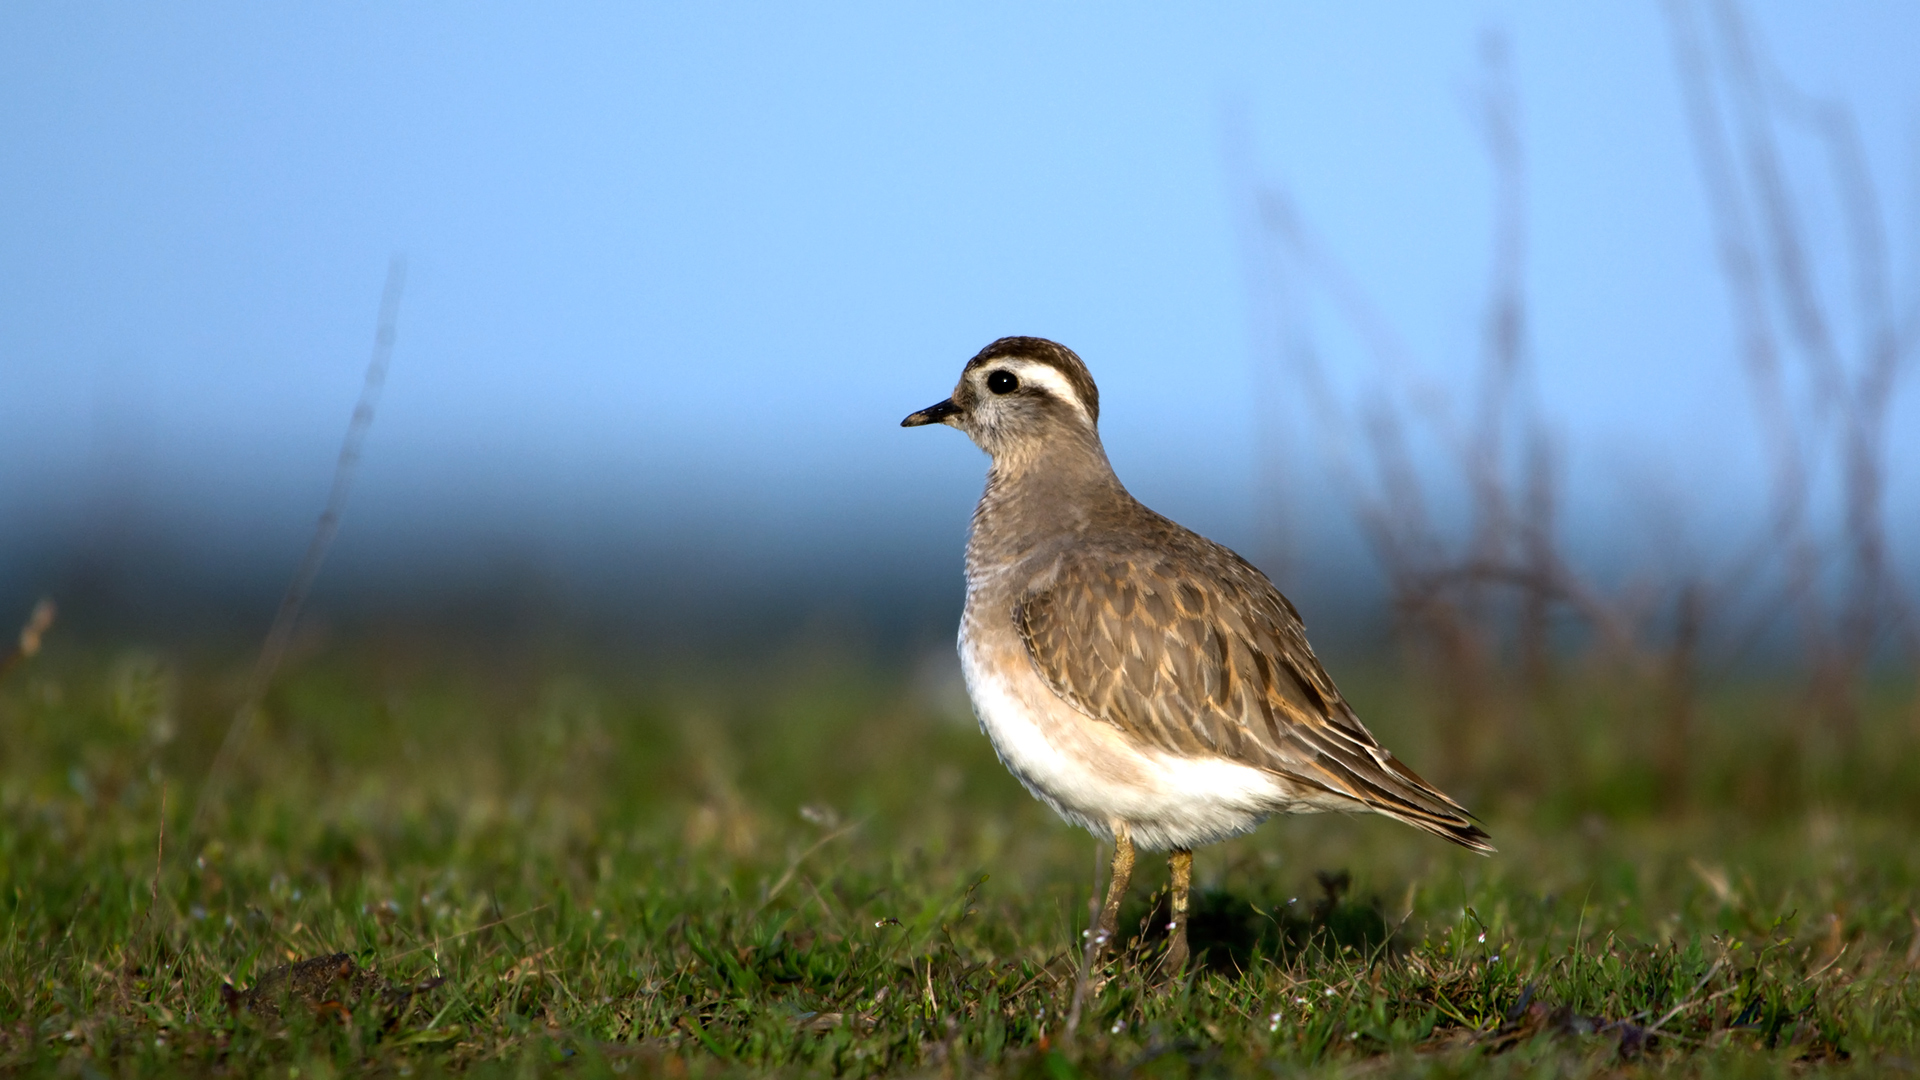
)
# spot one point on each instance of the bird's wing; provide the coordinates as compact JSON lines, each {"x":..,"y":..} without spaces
{"x":1197,"y":654}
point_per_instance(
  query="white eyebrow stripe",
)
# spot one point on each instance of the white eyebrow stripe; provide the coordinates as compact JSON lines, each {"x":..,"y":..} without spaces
{"x":1048,"y":377}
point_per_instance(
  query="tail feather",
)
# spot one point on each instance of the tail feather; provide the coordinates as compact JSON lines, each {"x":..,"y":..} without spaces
{"x":1459,"y":830}
{"x":1399,"y":793}
{"x":1441,"y":815}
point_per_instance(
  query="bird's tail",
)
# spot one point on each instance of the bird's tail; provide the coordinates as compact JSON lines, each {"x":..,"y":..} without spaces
{"x":1380,"y":783}
{"x":1350,"y":764}
{"x":1458,"y":828}
{"x":1408,"y":798}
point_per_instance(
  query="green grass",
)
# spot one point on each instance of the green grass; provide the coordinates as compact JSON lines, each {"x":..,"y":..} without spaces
{"x":815,"y":865}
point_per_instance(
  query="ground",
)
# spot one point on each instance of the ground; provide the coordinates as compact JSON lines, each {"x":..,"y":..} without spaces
{"x":491,"y":860}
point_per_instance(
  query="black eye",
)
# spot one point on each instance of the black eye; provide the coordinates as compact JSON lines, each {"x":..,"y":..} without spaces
{"x":1002,"y":382}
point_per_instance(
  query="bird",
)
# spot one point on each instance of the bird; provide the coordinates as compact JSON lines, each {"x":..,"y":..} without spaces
{"x":1144,"y":682}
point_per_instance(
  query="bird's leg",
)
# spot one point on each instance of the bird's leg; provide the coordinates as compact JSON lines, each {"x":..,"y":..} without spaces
{"x":1182,"y":866}
{"x":1106,"y":930}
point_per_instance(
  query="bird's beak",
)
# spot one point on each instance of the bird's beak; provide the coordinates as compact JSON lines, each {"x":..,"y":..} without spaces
{"x":932,"y":414}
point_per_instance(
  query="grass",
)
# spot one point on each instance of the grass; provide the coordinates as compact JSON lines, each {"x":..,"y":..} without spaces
{"x":508,"y":865}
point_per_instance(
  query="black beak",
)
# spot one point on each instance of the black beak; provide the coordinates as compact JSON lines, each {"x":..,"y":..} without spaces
{"x":932,"y":414}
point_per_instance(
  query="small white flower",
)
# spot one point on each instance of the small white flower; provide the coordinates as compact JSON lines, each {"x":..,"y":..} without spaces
{"x":1299,"y":1001}
{"x":1117,"y":1025}
{"x":1329,"y":991}
{"x":1483,"y":939}
{"x":1353,"y":1035}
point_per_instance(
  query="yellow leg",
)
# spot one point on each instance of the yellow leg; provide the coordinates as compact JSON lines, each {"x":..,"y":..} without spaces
{"x":1182,"y":866}
{"x":1107,"y":929}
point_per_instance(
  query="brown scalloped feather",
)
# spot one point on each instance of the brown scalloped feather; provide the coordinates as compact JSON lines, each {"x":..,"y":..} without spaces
{"x":1197,"y":654}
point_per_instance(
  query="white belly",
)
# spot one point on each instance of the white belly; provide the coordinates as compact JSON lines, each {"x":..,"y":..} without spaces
{"x":1091,"y":775}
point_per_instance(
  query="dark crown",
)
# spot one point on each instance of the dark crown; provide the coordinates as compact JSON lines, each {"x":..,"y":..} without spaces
{"x":1054,"y":355}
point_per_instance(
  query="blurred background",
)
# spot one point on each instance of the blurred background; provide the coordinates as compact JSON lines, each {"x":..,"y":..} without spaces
{"x":1504,"y":337}
{"x":1559,"y":362}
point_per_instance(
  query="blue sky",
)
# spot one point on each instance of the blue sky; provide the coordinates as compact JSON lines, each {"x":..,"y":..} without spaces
{"x":675,"y":273}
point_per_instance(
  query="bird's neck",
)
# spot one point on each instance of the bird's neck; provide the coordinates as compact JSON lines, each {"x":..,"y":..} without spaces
{"x":1040,"y":497}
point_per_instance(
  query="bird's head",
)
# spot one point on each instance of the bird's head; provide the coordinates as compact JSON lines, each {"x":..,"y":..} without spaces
{"x":1019,"y":397}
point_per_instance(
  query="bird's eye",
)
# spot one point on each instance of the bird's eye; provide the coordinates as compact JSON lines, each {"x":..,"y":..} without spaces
{"x":1002,"y":382}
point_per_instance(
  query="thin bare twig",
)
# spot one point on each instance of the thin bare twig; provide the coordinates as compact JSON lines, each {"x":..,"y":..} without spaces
{"x":280,"y":633}
{"x":159,"y":852}
{"x":437,"y":941}
{"x":1083,"y":980}
{"x":793,"y":867}
{"x":1479,"y":595}
{"x":1844,"y":591}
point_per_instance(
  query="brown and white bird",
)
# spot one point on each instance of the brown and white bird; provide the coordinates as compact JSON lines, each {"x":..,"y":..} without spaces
{"x":1145,"y":682}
